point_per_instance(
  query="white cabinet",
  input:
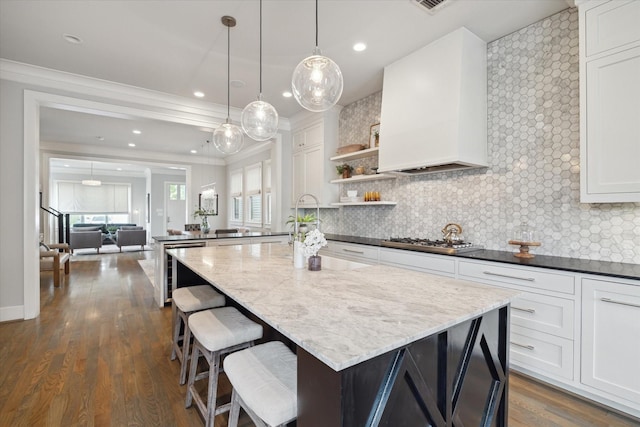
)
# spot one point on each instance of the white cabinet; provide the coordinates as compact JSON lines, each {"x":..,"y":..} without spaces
{"x":611,"y":339}
{"x":419,"y":261}
{"x":363,"y":253}
{"x":542,"y":317}
{"x":609,"y":101}
{"x":314,"y":138}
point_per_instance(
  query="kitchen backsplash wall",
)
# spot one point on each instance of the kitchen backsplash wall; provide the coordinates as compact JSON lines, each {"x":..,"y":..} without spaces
{"x":533,"y":174}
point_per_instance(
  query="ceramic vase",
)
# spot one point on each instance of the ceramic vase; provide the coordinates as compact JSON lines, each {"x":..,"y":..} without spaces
{"x":298,"y":255}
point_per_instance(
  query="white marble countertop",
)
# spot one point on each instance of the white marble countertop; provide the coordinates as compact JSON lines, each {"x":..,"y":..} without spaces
{"x":339,"y":315}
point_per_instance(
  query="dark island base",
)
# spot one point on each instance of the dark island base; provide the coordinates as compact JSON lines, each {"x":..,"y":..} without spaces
{"x":454,"y":378}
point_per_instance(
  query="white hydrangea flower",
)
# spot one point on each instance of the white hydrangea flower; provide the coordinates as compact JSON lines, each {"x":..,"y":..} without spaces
{"x":313,"y":242}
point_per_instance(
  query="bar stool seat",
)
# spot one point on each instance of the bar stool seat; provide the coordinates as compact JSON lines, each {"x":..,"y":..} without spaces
{"x":186,"y":301}
{"x":216,"y":332}
{"x":264,"y":380}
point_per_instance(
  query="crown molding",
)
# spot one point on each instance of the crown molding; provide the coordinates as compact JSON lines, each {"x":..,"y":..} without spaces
{"x":90,"y":87}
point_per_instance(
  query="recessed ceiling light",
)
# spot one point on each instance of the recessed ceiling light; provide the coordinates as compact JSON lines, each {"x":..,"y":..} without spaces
{"x":70,"y":38}
{"x":194,"y":151}
{"x":237,"y":83}
{"x":66,"y":166}
{"x":100,"y":138}
{"x":131,"y":144}
{"x":137,"y":132}
{"x":198,"y":94}
{"x":359,"y":47}
{"x":287,"y":94}
{"x":118,"y":169}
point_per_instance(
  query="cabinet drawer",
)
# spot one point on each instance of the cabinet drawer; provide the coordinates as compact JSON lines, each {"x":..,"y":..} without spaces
{"x":611,"y":25}
{"x":520,"y":278}
{"x":353,"y":251}
{"x":540,"y":352}
{"x":442,"y":265}
{"x":543,"y":313}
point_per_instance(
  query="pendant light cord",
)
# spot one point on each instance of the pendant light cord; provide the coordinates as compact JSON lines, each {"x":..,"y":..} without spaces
{"x":260,"y":47}
{"x":228,"y":73}
{"x":316,"y":23}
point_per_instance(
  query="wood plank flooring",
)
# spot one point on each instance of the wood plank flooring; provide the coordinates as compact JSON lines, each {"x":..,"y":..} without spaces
{"x":98,"y":355}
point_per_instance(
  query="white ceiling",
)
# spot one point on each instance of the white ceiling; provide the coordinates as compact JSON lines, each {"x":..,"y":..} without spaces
{"x":178,"y":47}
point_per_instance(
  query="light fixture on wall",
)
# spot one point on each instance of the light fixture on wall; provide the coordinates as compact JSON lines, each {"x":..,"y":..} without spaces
{"x":260,"y":119}
{"x":228,"y":137}
{"x":317,"y":80}
{"x":92,"y":182}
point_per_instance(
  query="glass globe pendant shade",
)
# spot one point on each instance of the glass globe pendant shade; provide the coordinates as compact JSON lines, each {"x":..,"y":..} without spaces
{"x":317,"y":82}
{"x":260,"y":120}
{"x":228,"y":138}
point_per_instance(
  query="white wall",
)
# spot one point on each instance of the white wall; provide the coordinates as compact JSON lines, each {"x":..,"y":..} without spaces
{"x":12,"y":195}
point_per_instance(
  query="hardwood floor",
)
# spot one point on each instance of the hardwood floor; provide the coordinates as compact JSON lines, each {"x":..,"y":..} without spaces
{"x":98,"y":355}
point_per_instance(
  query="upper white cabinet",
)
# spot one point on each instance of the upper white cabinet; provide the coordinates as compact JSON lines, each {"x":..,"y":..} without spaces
{"x":314,"y":140}
{"x":434,"y":107}
{"x":610,"y":101}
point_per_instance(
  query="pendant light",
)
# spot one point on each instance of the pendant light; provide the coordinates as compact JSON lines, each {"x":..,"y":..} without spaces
{"x":228,"y":137}
{"x":92,"y":182}
{"x":317,"y":80}
{"x":260,"y":119}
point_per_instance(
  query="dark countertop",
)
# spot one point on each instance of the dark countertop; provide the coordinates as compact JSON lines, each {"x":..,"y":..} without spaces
{"x":577,"y":265}
{"x":213,"y":236}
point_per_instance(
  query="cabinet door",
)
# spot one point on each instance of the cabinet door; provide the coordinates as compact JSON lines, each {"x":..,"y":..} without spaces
{"x":610,"y":149}
{"x":298,"y":186}
{"x":611,"y":338}
{"x":314,"y":175}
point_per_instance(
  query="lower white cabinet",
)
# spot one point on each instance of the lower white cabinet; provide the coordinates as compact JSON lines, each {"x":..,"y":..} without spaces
{"x":428,"y":263}
{"x":611,"y":338}
{"x":539,"y":352}
{"x":363,"y":253}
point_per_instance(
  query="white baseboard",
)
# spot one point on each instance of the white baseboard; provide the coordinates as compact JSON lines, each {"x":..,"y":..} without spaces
{"x":11,"y":313}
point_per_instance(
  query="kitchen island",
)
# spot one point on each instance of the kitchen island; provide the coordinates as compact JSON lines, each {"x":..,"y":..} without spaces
{"x":376,"y":345}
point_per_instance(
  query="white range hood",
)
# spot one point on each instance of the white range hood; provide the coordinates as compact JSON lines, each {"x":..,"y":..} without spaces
{"x":434,"y":107}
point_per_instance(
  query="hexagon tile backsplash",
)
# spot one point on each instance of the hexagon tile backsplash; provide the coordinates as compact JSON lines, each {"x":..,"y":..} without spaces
{"x":534,"y":167}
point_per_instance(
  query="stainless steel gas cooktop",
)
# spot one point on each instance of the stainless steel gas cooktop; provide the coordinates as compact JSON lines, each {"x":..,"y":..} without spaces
{"x":427,"y":245}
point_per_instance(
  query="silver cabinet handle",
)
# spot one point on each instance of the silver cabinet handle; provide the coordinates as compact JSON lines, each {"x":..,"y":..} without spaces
{"x":528,"y":347}
{"x":619,"y":302}
{"x":490,"y":273}
{"x":528,"y":310}
{"x":353,"y":251}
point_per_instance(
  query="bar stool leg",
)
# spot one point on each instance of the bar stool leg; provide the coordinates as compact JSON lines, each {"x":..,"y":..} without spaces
{"x":176,"y":330}
{"x":186,"y":340}
{"x":234,"y":412}
{"x":195,"y":354}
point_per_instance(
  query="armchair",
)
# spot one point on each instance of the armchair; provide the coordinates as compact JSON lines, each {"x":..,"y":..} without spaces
{"x":85,"y":239}
{"x":52,"y":259}
{"x":129,"y":236}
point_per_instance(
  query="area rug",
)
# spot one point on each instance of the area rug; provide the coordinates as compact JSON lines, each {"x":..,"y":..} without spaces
{"x":148,"y":266}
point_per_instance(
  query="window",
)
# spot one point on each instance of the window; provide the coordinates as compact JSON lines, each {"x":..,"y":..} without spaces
{"x":177,"y":192}
{"x":236,"y":196}
{"x":253,"y":193}
{"x":73,"y":197}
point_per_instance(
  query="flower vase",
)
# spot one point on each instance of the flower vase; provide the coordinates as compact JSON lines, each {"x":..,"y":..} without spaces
{"x":315,"y":263}
{"x":298,"y":255}
{"x":204,"y":227}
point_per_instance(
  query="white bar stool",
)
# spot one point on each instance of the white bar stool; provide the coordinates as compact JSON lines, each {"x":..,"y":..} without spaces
{"x":186,"y":301}
{"x":216,"y":332}
{"x":264,"y":380}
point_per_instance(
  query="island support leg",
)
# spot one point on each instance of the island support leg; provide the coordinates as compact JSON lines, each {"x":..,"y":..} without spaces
{"x":455,"y":377}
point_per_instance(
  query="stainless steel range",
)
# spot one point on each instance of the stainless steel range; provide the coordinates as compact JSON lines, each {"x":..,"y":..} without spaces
{"x":434,"y":246}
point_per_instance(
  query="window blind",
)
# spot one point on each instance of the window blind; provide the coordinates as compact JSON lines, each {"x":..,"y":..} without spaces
{"x":73,"y":197}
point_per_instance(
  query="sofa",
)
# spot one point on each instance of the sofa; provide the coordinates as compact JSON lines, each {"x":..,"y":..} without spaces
{"x":130,"y":236}
{"x":85,"y":237}
{"x":108,"y":230}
